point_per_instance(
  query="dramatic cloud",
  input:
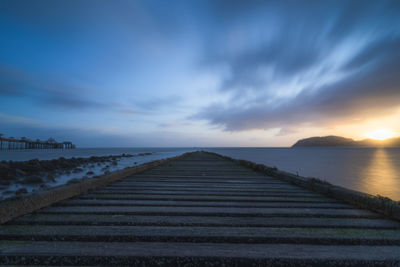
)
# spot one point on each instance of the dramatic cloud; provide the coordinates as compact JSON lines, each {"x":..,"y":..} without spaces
{"x":199,"y":67}
{"x":306,"y":63}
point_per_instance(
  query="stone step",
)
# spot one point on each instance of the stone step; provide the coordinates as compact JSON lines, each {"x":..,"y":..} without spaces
{"x":215,"y":193}
{"x":155,"y":203}
{"x":200,"y":234}
{"x":195,"y":254}
{"x":189,"y":177}
{"x":201,"y":181}
{"x":190,"y":197}
{"x":294,"y":221}
{"x":194,"y":181}
{"x":210,"y":190}
{"x":213,"y":211}
{"x":205,"y":186}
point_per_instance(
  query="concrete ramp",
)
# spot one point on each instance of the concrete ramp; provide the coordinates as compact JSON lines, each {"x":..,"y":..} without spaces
{"x":201,"y":210}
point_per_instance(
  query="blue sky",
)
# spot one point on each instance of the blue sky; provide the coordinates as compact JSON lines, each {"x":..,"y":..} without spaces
{"x":198,"y":73}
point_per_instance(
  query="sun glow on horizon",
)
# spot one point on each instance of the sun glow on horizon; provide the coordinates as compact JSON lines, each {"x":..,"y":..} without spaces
{"x":380,"y":134}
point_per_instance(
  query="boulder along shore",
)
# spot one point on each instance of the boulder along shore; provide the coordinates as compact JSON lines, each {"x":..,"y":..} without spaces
{"x":21,"y":177}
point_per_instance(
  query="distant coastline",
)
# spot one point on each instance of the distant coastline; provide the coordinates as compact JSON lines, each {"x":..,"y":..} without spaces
{"x":339,"y":141}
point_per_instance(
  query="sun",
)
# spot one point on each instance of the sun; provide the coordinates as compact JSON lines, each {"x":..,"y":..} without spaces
{"x":380,"y":134}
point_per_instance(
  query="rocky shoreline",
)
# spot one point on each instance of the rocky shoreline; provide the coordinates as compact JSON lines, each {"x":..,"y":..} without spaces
{"x":17,"y":176}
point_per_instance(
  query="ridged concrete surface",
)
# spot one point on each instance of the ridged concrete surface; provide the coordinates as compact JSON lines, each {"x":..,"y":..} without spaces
{"x":201,"y":210}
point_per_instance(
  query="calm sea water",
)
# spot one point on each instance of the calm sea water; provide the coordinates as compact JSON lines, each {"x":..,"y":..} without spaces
{"x":370,"y":170}
{"x":44,"y":154}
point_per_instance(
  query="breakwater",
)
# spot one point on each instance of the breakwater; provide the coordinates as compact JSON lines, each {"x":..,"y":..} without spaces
{"x":198,"y":209}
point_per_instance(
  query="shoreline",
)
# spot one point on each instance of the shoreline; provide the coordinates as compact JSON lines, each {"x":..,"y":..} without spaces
{"x":23,"y":177}
{"x":16,"y":207}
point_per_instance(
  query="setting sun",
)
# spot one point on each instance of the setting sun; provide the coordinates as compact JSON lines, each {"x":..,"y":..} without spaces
{"x":380,"y":134}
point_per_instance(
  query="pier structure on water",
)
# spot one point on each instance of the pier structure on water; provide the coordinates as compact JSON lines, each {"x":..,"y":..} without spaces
{"x":11,"y":143}
{"x":201,"y":210}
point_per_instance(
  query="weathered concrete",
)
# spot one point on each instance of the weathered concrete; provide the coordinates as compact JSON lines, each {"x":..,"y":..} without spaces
{"x":201,"y":210}
{"x":195,"y":254}
{"x":250,"y":221}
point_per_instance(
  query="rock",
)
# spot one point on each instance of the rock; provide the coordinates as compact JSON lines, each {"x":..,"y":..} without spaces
{"x":73,"y":181}
{"x":144,"y":154}
{"x":34,"y":179}
{"x":65,"y":164}
{"x":135,"y":163}
{"x":105,"y":168}
{"x":3,"y":170}
{"x":4,"y":181}
{"x":21,"y":191}
{"x":51,"y":177}
{"x":44,"y":186}
{"x":20,"y":173}
{"x":32,"y":166}
{"x":49,"y":165}
{"x":106,"y":172}
{"x":77,"y":170}
{"x":89,"y":173}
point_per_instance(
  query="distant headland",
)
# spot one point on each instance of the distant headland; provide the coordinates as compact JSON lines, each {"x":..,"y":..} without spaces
{"x":331,"y":141}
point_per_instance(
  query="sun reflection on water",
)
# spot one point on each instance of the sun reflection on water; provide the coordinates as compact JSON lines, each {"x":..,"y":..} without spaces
{"x":380,"y":175}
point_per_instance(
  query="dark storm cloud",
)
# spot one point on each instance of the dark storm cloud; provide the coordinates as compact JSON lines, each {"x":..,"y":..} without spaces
{"x":351,"y":49}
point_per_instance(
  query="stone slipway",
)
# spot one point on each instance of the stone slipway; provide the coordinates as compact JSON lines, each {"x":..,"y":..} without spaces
{"x":203,"y":210}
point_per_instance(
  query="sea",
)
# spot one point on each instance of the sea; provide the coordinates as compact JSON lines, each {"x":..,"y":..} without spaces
{"x":371,"y":170}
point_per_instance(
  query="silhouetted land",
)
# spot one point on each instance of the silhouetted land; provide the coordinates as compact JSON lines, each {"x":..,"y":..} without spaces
{"x":329,"y":141}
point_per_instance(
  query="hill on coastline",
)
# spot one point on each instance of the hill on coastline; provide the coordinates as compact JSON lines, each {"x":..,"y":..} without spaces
{"x":329,"y":141}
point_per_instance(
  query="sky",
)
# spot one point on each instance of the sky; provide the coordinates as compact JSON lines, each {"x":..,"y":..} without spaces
{"x":200,"y":73}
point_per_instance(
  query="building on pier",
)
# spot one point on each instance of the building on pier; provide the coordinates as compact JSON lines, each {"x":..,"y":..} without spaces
{"x":11,"y":143}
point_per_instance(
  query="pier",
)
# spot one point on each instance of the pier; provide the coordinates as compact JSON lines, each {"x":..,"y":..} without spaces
{"x":202,"y":210}
{"x":11,"y":143}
